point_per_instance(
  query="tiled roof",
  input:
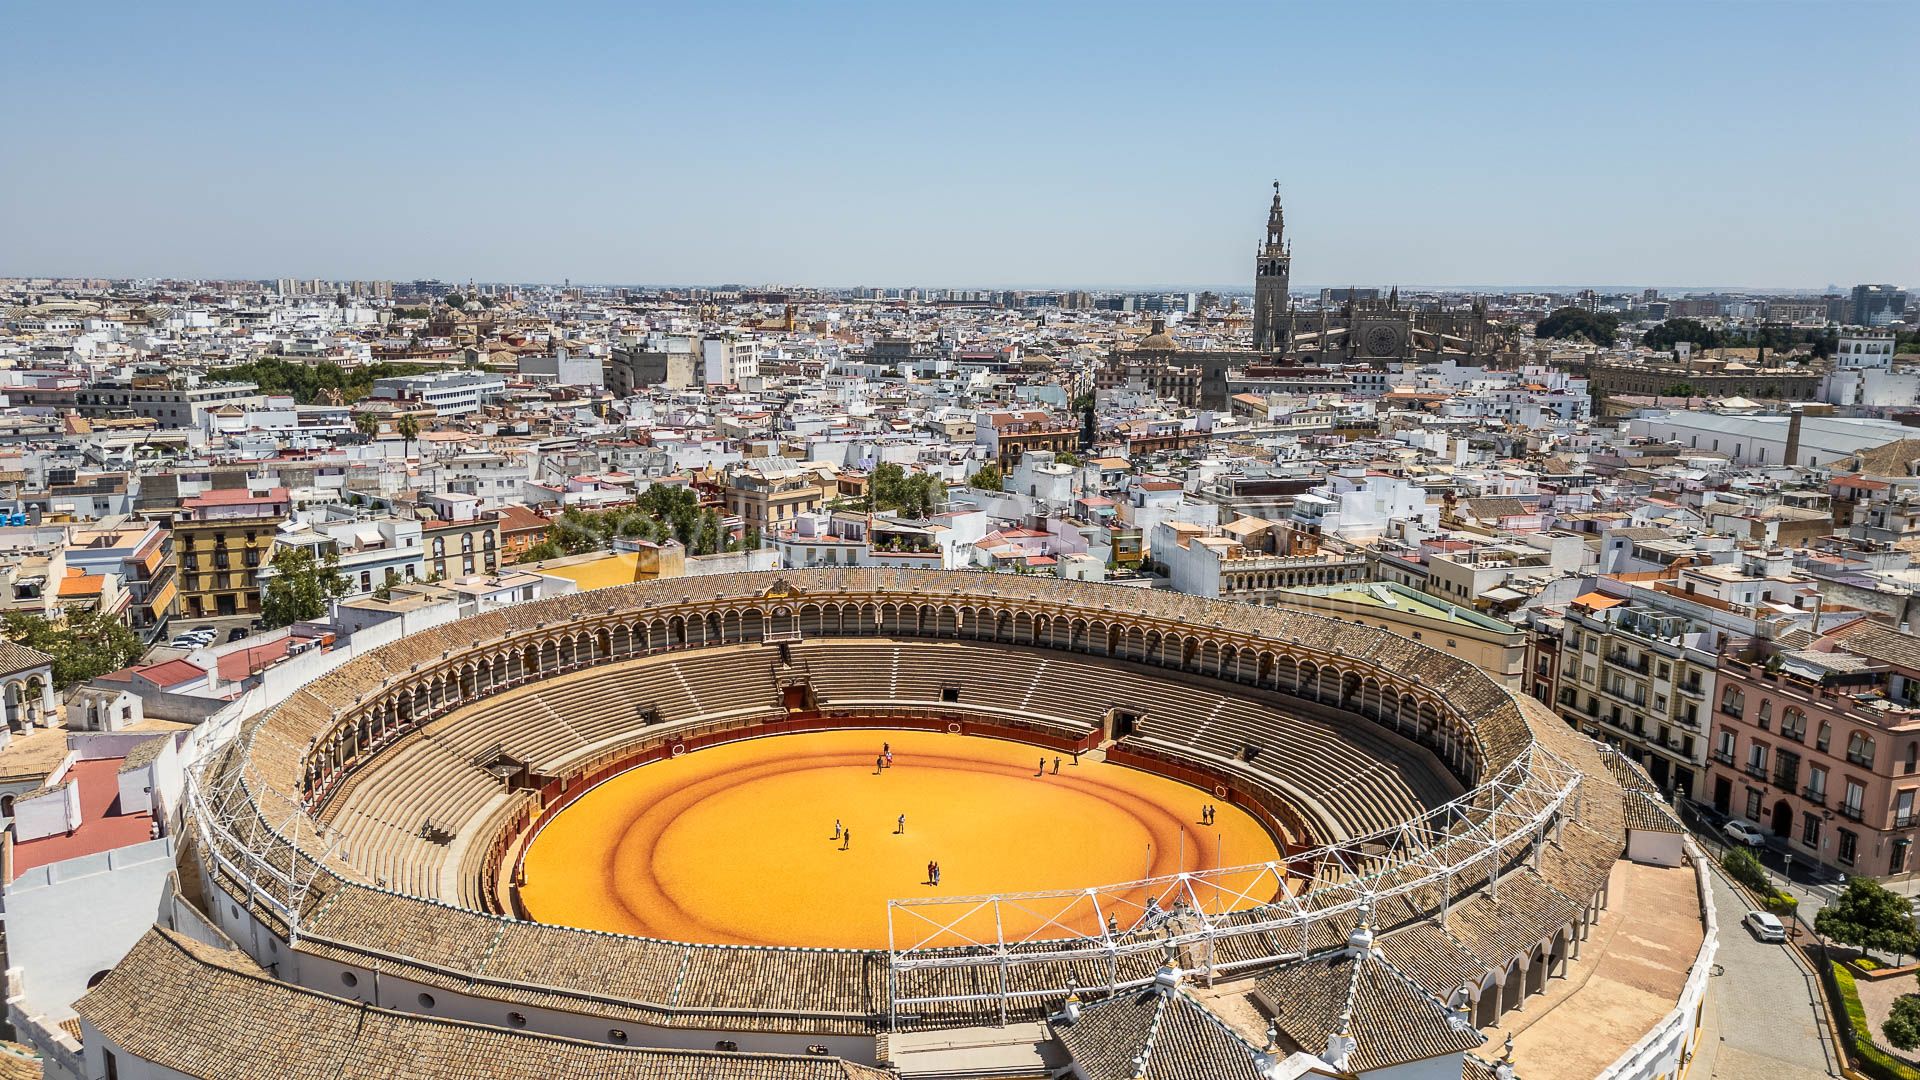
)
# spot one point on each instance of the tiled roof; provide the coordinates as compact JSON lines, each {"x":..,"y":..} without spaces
{"x":1158,"y":1033}
{"x":213,"y":1013}
{"x":1390,"y":1017}
{"x":17,"y":657}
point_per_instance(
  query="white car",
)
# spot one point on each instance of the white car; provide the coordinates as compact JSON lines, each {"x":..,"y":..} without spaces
{"x":1765,"y":927}
{"x":1744,"y":832}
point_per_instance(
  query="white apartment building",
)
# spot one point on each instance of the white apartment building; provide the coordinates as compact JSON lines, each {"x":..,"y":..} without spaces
{"x":1863,"y":374}
{"x":449,"y":393}
{"x":726,"y":360}
{"x":1355,"y":504}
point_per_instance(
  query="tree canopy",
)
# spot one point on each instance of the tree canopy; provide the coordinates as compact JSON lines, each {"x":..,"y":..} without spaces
{"x":83,"y":644}
{"x":987,"y":478}
{"x":1902,"y":1028}
{"x":300,"y":586}
{"x":306,"y":381}
{"x":916,"y":495}
{"x":1574,"y":322}
{"x":663,"y":512}
{"x":1869,"y":915}
{"x":1664,"y":337}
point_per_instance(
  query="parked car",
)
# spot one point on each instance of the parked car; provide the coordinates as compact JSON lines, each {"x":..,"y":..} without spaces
{"x":183,"y":642}
{"x":1744,"y":832}
{"x":1765,"y":927}
{"x":237,"y":633}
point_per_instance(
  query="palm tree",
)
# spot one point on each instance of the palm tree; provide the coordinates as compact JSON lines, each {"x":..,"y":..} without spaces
{"x":409,"y":428}
{"x":367,"y":423}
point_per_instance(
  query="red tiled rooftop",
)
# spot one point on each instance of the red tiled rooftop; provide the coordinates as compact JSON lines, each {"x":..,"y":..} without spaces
{"x":235,"y":497}
{"x":171,"y":672}
{"x":241,"y":663}
{"x":101,"y":827}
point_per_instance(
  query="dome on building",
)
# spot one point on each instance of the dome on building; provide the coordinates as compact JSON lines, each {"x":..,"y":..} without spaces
{"x":1158,"y":340}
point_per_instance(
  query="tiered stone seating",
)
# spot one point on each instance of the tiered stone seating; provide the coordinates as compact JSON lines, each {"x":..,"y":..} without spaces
{"x":382,"y":819}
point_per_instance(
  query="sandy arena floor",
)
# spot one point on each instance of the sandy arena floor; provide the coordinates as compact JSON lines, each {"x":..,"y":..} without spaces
{"x":734,"y":844}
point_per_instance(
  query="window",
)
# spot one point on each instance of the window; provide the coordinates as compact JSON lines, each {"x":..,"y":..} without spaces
{"x":1860,"y":749}
{"x":1765,"y":716}
{"x":1825,"y":737}
{"x":1856,"y":797}
{"x":1753,"y":804}
{"x":1816,"y":784}
{"x":1849,"y":845}
{"x":1903,"y":809}
{"x":1757,"y":759}
{"x":1793,"y":724}
{"x":439,"y":546}
{"x":1810,"y":829}
{"x":1913,"y":757}
{"x":1727,"y":740}
{"x":1732,"y":701}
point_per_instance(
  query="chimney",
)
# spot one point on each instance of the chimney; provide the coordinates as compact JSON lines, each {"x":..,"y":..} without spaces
{"x":1793,"y":436}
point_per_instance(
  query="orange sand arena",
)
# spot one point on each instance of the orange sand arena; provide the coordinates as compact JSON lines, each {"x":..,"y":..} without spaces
{"x":734,"y":844}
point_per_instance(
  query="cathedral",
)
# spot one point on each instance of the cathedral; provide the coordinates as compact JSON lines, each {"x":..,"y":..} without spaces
{"x":1368,"y":332}
{"x":1357,"y":331}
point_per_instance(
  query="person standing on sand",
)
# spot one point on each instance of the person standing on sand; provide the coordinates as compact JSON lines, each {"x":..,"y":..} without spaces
{"x":846,"y":838}
{"x":901,"y":828}
{"x":836,"y":828}
{"x":936,"y":875}
{"x":1043,"y":768}
{"x":932,"y":873}
{"x":1056,"y":764}
{"x":878,"y":764}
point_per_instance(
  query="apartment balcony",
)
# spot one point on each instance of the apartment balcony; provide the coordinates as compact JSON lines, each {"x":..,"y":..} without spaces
{"x":1639,"y":667}
{"x":1724,"y":757}
{"x":1758,"y":772}
{"x":1786,"y":782}
{"x":1817,"y":797}
{"x":1903,"y":821}
{"x":1851,"y":813}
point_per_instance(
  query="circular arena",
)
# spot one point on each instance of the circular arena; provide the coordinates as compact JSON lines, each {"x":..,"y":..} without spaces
{"x":619,"y":819}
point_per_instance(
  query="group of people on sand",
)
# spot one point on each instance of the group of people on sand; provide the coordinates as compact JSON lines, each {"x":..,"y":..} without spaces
{"x":844,"y":833}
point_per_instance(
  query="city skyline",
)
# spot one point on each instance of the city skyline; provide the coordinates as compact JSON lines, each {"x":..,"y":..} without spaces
{"x":1040,"y":148}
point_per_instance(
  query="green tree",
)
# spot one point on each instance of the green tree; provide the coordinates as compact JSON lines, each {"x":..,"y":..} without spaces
{"x":1745,"y":868}
{"x":988,"y":478}
{"x":1069,"y":458}
{"x":306,"y":382}
{"x":1679,"y":389}
{"x":1870,"y":916}
{"x":408,"y":426}
{"x":1664,"y":337}
{"x":300,"y":586}
{"x":542,"y":551}
{"x":366,"y":423}
{"x":455,"y":300}
{"x":1902,"y":1028}
{"x":892,"y":488}
{"x":83,"y":644}
{"x":1574,"y":322}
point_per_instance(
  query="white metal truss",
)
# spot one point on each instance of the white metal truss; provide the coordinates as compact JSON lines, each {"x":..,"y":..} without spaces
{"x":992,"y":952}
{"x":262,"y":841}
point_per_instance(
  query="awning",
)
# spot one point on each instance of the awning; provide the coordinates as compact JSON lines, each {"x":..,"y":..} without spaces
{"x":1597,"y":601}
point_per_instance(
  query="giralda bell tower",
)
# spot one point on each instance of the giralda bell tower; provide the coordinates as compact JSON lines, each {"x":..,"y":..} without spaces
{"x":1271,"y":271}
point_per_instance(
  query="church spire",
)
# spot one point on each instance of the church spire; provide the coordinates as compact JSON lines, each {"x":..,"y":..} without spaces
{"x":1276,"y":220}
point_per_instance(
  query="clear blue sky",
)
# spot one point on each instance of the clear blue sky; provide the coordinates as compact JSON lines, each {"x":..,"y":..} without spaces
{"x":1767,"y":144}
